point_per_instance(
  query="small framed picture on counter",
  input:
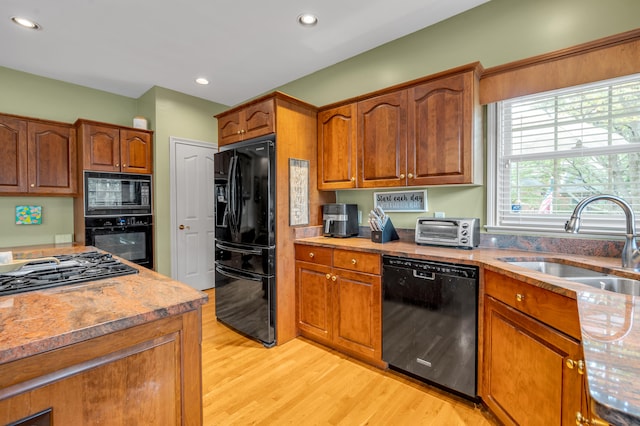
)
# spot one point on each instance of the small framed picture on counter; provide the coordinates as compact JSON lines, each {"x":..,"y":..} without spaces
{"x":401,"y":201}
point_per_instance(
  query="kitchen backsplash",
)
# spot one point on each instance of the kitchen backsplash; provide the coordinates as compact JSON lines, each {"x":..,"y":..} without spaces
{"x":579,"y":246}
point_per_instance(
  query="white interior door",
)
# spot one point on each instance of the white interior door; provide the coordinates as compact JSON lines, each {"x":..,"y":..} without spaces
{"x":192,"y":212}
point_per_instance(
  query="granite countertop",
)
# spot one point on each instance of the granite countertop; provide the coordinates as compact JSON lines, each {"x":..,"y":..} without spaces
{"x":43,"y":320}
{"x":610,"y":322}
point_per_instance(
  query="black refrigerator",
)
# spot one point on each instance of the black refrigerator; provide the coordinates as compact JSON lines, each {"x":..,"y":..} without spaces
{"x":245,"y":238}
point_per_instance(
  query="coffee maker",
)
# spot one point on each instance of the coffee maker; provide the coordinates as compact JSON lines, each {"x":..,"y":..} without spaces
{"x":340,"y":220}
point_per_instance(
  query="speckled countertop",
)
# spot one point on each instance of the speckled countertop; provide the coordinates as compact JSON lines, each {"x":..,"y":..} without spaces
{"x":39,"y":321}
{"x":610,"y":322}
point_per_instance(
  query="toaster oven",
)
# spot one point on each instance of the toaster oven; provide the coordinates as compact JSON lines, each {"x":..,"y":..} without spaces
{"x":450,"y":232}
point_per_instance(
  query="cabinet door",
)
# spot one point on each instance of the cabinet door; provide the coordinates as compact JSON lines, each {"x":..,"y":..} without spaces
{"x":52,"y":159}
{"x":13,"y":155}
{"x":358,"y":313}
{"x":439,"y":150}
{"x":259,"y":119}
{"x":314,"y":313}
{"x":382,"y":140}
{"x":101,"y":148}
{"x":136,"y":151}
{"x":229,"y":127}
{"x":525,"y":380}
{"x":337,"y":148}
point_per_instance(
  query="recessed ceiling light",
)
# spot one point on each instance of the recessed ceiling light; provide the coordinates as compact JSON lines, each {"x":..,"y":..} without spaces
{"x":202,"y":80}
{"x":307,"y":20}
{"x":26,"y":23}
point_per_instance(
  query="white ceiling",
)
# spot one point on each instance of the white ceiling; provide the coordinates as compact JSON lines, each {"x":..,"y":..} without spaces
{"x":243,"y":47}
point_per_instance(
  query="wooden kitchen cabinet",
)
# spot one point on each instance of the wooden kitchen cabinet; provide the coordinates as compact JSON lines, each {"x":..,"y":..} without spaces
{"x":37,"y":157}
{"x":337,"y":148}
{"x":382,"y":140}
{"x":533,"y":364}
{"x":339,"y":300}
{"x":424,"y":132}
{"x":109,"y":148}
{"x":147,"y":374}
{"x":248,"y":121}
{"x":443,"y":115}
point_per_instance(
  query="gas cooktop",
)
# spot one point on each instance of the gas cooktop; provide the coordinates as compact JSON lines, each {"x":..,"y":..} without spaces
{"x":72,"y":269}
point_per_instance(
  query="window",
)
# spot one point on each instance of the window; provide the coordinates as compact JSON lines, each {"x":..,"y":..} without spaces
{"x":553,"y":149}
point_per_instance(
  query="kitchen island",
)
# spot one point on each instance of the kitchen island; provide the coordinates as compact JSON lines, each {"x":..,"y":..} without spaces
{"x":122,"y":350}
{"x":607,"y":327}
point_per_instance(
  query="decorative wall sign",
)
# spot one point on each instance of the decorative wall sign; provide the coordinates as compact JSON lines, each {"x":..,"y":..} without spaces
{"x":298,"y":192}
{"x":401,"y":201}
{"x":28,"y":215}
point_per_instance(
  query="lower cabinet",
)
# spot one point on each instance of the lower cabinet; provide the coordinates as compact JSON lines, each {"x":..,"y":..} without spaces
{"x":339,"y":301}
{"x":533,"y":373}
{"x":148,"y":374}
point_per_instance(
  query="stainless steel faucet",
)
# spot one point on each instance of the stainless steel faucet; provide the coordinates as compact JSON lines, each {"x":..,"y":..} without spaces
{"x":630,"y":253}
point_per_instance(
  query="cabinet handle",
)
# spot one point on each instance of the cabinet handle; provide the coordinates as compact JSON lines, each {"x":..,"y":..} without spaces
{"x":33,"y":185}
{"x":117,"y":165}
{"x":410,"y":175}
{"x":333,"y":278}
{"x":238,"y":132}
{"x":124,"y":165}
{"x":582,"y":420}
{"x":519,"y":297}
{"x":311,"y":255}
{"x":328,"y":276}
{"x":353,"y":261}
{"x":579,"y":364}
{"x":353,"y":178}
{"x":401,"y":175}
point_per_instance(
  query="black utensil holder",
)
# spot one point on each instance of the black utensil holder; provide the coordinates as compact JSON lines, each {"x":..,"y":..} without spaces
{"x":387,"y":234}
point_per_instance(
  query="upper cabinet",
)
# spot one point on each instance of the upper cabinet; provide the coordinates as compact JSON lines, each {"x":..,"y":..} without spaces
{"x":37,"y":157}
{"x":425,"y":132}
{"x":248,"y":121}
{"x":110,"y":148}
{"x":337,"y":149}
{"x":382,"y":140}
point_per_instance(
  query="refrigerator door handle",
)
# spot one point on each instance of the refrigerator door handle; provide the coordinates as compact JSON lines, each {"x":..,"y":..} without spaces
{"x":226,"y":273}
{"x":238,"y":250}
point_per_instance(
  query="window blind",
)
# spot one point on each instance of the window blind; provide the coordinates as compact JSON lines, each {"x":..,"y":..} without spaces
{"x":558,"y":147}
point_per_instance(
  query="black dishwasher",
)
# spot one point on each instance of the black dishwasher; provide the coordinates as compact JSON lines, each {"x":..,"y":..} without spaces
{"x":429,"y":322}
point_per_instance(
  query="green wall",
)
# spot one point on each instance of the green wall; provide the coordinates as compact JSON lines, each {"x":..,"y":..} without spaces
{"x":495,"y":33}
{"x":179,"y":115}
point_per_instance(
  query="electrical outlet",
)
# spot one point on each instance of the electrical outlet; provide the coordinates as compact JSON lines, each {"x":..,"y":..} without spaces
{"x":439,"y":215}
{"x":360,"y":216}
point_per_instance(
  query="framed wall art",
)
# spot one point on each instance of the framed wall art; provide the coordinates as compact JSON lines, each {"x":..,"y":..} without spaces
{"x":401,"y":201}
{"x":298,"y":192}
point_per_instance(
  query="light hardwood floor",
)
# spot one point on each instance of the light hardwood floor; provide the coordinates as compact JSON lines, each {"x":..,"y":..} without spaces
{"x":302,"y":383}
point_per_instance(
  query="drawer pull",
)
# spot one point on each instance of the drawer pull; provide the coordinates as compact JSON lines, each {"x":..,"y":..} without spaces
{"x":571,"y":364}
{"x":328,"y":276}
{"x":333,"y":278}
{"x":519,"y":297}
{"x":311,"y":255}
{"x":353,"y":261}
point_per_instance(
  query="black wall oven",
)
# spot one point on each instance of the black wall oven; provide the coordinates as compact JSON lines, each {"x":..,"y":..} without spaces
{"x":130,"y":238}
{"x":118,"y":215}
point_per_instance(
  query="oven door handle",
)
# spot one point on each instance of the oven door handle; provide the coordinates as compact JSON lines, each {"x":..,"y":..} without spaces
{"x":238,"y":276}
{"x":422,"y":275}
{"x":238,"y":250}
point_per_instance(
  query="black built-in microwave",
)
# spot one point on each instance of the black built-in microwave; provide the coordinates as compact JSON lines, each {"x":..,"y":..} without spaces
{"x":117,"y":194}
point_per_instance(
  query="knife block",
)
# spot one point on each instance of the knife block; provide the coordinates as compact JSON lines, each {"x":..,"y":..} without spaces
{"x":387,"y":234}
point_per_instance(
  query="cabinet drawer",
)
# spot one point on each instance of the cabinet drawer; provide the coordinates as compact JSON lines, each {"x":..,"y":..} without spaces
{"x":357,"y":261}
{"x":560,"y":312}
{"x":313,"y":254}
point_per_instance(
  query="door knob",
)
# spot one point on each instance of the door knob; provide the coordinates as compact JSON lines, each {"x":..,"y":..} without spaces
{"x":184,"y":227}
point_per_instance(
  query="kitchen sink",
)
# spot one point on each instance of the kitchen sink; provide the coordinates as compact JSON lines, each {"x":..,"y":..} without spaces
{"x":581,"y":275}
{"x":612,"y":283}
{"x":554,"y":268}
